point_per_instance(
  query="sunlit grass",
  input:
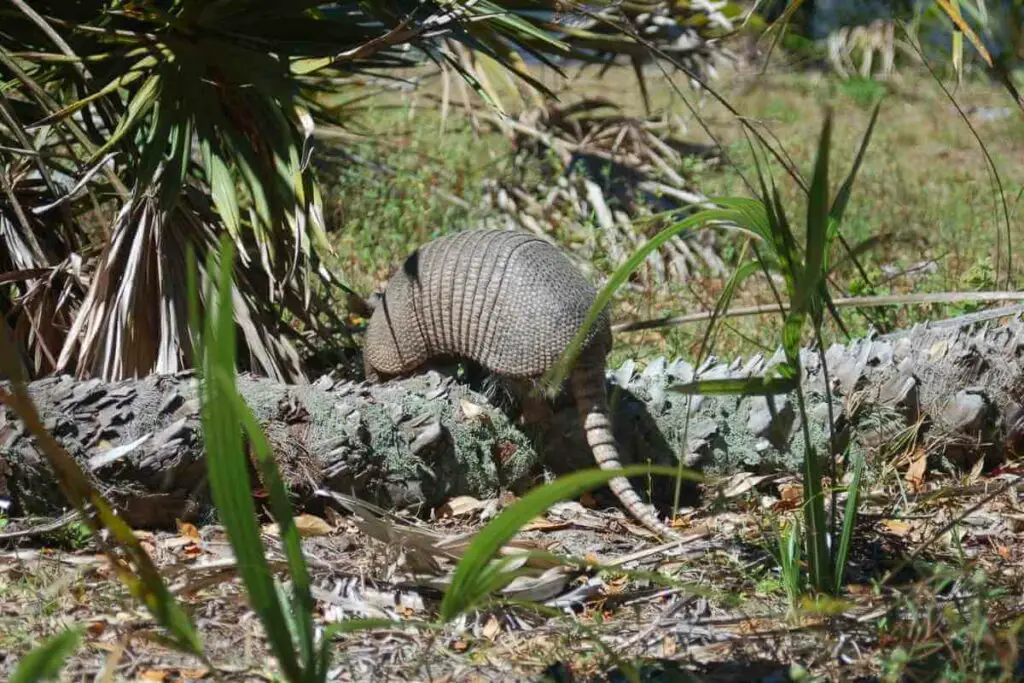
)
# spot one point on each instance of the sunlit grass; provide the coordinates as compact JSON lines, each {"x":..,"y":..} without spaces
{"x":925,"y":188}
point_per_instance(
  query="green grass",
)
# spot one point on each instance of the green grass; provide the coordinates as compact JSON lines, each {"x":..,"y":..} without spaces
{"x":924,"y":186}
{"x":376,"y":218}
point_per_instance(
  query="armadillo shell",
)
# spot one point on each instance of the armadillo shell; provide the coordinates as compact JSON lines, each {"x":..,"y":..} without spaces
{"x":503,"y":298}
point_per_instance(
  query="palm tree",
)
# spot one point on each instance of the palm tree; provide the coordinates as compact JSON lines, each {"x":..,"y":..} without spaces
{"x":135,"y":131}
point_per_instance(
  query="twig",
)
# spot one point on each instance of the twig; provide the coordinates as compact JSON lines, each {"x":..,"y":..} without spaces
{"x":41,"y":529}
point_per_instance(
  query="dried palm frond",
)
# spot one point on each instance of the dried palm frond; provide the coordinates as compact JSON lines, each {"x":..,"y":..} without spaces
{"x":603,"y":34}
{"x":848,"y":44}
{"x":613,"y":169}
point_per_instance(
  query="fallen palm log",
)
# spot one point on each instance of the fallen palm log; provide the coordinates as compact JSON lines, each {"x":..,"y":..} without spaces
{"x":951,"y":388}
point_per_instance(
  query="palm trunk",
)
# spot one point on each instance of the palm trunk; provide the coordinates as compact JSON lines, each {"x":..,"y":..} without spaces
{"x":417,"y":442}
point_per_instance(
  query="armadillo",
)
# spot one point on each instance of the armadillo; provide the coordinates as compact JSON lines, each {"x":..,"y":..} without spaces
{"x":512,"y":303}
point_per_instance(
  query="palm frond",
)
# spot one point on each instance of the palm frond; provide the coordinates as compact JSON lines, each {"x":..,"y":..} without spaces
{"x":178,"y":122}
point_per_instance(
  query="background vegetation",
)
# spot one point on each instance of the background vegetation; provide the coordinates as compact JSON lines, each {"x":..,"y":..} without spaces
{"x":287,"y":157}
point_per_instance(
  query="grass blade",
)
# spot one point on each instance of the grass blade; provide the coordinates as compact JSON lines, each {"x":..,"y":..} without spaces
{"x":140,"y":105}
{"x":849,"y":521}
{"x":843,"y":196}
{"x":44,"y":662}
{"x":557,"y":374}
{"x":789,"y":561}
{"x":222,"y":187}
{"x":281,"y":509}
{"x":742,"y":386}
{"x":226,"y":466}
{"x":474,"y":576}
{"x":817,"y":218}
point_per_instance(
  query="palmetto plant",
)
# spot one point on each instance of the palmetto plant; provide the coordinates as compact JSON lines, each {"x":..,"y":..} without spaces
{"x":132,"y":131}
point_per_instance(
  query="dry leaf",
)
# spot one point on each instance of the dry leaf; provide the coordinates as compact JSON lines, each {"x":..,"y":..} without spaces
{"x":307,"y":525}
{"x":976,"y":471}
{"x":460,"y":506}
{"x":791,"y":496}
{"x":491,"y":629}
{"x":175,"y":542}
{"x":896,"y":527}
{"x":587,"y":500}
{"x":915,"y":473}
{"x":742,"y":482}
{"x":187,"y":529}
{"x":545,"y":524}
{"x":311,"y":525}
{"x":472,"y":411}
{"x":616,"y":585}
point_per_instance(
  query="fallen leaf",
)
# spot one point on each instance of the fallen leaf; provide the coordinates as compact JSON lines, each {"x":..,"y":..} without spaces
{"x":616,"y":585}
{"x":915,"y":473}
{"x":460,"y":506}
{"x":307,"y":525}
{"x":175,"y":542}
{"x":587,"y":500}
{"x":491,"y":629}
{"x":187,"y":529}
{"x":472,"y":411}
{"x":791,"y":496}
{"x":975,"y":472}
{"x":897,"y":527}
{"x":742,"y":482}
{"x":545,"y":524}
{"x":311,"y":525}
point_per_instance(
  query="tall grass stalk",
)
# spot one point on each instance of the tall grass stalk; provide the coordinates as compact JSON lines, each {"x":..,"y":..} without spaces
{"x":804,"y":270}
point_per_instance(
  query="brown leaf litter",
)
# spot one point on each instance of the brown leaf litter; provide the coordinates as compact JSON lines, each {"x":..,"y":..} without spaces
{"x":712,"y":604}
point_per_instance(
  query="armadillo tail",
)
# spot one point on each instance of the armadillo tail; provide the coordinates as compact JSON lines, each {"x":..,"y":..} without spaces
{"x":588,"y":389}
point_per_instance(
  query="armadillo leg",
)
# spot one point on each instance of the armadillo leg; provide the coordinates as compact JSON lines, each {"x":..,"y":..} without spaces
{"x":370,"y":373}
{"x":587,"y":384}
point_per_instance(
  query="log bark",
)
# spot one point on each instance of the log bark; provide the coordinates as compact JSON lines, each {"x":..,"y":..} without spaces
{"x":417,"y":442}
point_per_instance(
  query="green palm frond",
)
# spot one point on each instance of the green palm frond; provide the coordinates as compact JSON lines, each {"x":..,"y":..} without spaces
{"x":130,"y":131}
